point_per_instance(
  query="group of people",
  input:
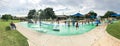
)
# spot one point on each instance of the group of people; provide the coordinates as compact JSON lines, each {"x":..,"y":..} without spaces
{"x":74,"y":23}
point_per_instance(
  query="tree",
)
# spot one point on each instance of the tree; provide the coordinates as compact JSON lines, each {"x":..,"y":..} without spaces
{"x":49,"y":13}
{"x":108,"y":14}
{"x":87,"y":16}
{"x":31,"y":14}
{"x":6,"y":17}
{"x":42,"y":14}
{"x":93,"y":15}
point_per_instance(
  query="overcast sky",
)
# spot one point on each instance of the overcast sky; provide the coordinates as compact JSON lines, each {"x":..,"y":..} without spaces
{"x":69,"y":7}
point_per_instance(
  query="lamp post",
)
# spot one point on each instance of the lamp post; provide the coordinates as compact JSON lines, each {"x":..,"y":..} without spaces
{"x":35,"y":17}
{"x":39,"y":17}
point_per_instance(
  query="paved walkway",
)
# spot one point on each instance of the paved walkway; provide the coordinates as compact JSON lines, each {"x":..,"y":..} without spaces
{"x":96,"y":37}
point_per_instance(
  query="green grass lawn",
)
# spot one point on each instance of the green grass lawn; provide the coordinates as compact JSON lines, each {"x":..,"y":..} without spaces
{"x":114,"y":29}
{"x":11,"y":37}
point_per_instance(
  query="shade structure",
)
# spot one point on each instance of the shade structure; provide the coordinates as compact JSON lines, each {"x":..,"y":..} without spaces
{"x":115,"y":15}
{"x":77,"y":14}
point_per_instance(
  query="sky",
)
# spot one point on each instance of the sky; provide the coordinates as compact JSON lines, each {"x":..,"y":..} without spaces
{"x":68,"y":7}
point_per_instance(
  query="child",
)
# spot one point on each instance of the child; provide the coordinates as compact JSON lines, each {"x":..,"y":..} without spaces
{"x":77,"y":26}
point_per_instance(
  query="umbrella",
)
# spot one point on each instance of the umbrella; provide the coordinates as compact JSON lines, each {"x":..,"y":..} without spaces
{"x":77,"y":14}
{"x":115,"y":15}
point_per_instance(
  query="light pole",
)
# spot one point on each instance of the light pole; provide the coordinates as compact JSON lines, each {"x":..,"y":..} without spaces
{"x":39,"y":17}
{"x":35,"y":17}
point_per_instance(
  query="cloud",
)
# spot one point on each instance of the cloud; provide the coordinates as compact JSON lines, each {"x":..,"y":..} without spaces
{"x":108,"y":5}
{"x":68,"y":7}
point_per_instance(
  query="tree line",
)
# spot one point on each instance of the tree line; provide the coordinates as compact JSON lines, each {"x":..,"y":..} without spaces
{"x":43,"y":14}
{"x":49,"y":13}
{"x":7,"y":17}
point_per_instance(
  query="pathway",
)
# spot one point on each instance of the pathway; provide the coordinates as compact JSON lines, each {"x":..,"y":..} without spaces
{"x":96,"y":37}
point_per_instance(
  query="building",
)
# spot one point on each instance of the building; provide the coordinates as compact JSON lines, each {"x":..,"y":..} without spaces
{"x":61,"y":17}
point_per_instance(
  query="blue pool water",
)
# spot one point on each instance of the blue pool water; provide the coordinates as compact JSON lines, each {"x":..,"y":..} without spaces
{"x":64,"y":30}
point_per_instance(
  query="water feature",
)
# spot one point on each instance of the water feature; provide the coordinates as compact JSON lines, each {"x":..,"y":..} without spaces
{"x":64,"y":30}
